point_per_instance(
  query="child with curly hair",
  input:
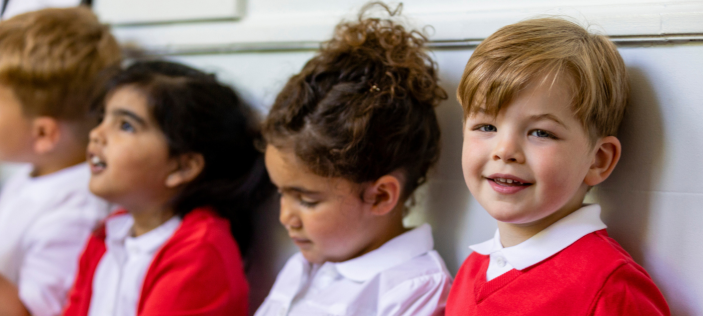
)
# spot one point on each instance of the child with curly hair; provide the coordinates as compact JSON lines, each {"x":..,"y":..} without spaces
{"x":349,"y":139}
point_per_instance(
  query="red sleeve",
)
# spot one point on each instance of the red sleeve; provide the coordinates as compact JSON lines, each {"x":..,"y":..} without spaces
{"x":630,"y":291}
{"x":80,"y":294}
{"x":194,"y":280}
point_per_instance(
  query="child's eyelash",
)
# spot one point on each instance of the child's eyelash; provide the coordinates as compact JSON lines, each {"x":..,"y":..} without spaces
{"x":544,"y":134}
{"x":126,"y":126}
{"x":485,"y":128}
{"x":307,"y":204}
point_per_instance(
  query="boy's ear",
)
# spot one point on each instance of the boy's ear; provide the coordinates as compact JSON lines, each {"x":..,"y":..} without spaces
{"x":46,"y":134}
{"x":383,"y":194}
{"x":607,"y":154}
{"x":190,"y":165}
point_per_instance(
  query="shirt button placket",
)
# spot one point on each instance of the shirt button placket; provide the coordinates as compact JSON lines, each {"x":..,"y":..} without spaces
{"x":500,"y":261}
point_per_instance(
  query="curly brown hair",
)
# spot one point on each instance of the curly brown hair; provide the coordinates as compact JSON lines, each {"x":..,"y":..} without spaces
{"x":363,"y":107}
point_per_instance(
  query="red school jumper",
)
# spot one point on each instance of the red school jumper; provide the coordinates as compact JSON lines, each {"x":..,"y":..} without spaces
{"x":198,"y":271}
{"x":593,"y":276}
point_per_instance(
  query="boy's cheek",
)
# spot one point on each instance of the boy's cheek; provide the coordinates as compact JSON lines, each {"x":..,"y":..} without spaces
{"x":473,"y":154}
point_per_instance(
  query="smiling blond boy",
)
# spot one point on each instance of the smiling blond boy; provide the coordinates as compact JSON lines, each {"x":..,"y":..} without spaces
{"x":542,"y":103}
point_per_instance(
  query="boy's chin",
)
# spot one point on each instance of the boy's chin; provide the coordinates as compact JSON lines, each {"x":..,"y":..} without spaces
{"x":510,"y":215}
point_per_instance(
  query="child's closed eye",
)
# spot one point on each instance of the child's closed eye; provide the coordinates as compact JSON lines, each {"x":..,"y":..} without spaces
{"x":307,"y":203}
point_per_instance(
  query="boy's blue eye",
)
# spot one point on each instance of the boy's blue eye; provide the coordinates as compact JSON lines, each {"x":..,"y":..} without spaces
{"x":125,"y":126}
{"x":487,"y":128}
{"x":542,"y":134}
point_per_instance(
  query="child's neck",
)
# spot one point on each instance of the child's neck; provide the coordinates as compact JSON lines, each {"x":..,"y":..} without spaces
{"x":67,"y":154}
{"x":392,"y":227}
{"x":49,"y":166}
{"x":515,"y":234}
{"x":149,"y":218}
{"x":394,"y":231}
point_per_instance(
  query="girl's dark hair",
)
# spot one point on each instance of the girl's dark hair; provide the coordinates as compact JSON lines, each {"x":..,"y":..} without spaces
{"x":363,"y":106}
{"x":198,"y":114}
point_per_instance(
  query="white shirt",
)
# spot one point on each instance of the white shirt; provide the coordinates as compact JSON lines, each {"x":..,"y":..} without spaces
{"x":117,"y":283}
{"x":402,"y":277}
{"x":44,"y":223}
{"x":541,"y":246}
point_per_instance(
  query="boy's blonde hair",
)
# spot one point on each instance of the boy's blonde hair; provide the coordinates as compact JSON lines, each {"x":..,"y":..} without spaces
{"x":516,"y":54}
{"x":52,"y":60}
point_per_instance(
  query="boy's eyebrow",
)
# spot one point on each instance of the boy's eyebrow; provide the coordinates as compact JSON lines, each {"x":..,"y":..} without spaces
{"x":121,"y":112}
{"x":548,"y":116}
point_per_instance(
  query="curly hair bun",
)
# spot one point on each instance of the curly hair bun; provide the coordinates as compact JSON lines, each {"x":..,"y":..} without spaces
{"x":364,"y":105}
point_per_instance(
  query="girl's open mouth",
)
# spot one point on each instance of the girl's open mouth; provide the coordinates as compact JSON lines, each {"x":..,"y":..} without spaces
{"x":97,"y":165}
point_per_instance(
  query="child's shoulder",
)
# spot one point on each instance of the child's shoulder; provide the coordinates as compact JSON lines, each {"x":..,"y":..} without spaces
{"x":62,"y":185}
{"x":618,"y":281}
{"x":51,"y":205}
{"x":428,"y":267}
{"x":597,"y":252}
{"x":203,"y":243}
{"x":203,"y":229}
{"x":593,"y":264}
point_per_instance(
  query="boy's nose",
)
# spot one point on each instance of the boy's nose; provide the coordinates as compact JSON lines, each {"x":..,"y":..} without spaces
{"x":509,"y":150}
{"x":288,"y":216}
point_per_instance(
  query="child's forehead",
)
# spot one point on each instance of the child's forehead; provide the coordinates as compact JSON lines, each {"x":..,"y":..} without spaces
{"x":128,"y":98}
{"x":543,"y":94}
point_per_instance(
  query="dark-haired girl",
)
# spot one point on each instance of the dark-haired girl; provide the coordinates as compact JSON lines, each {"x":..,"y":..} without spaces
{"x":349,"y":139}
{"x":176,"y":150}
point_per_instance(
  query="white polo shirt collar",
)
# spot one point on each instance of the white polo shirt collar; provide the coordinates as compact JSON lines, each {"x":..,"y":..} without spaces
{"x":118,"y":231}
{"x":548,"y":242}
{"x":394,"y":252}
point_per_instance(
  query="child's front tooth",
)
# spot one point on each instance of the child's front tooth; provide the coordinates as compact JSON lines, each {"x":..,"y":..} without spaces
{"x":509,"y":181}
{"x":95,"y":160}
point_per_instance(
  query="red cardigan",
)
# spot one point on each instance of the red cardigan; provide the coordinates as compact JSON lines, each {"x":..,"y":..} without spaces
{"x":198,"y":271}
{"x":593,"y":276}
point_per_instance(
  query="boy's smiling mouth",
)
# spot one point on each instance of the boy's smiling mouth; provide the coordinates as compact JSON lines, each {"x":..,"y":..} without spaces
{"x":507,"y":184}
